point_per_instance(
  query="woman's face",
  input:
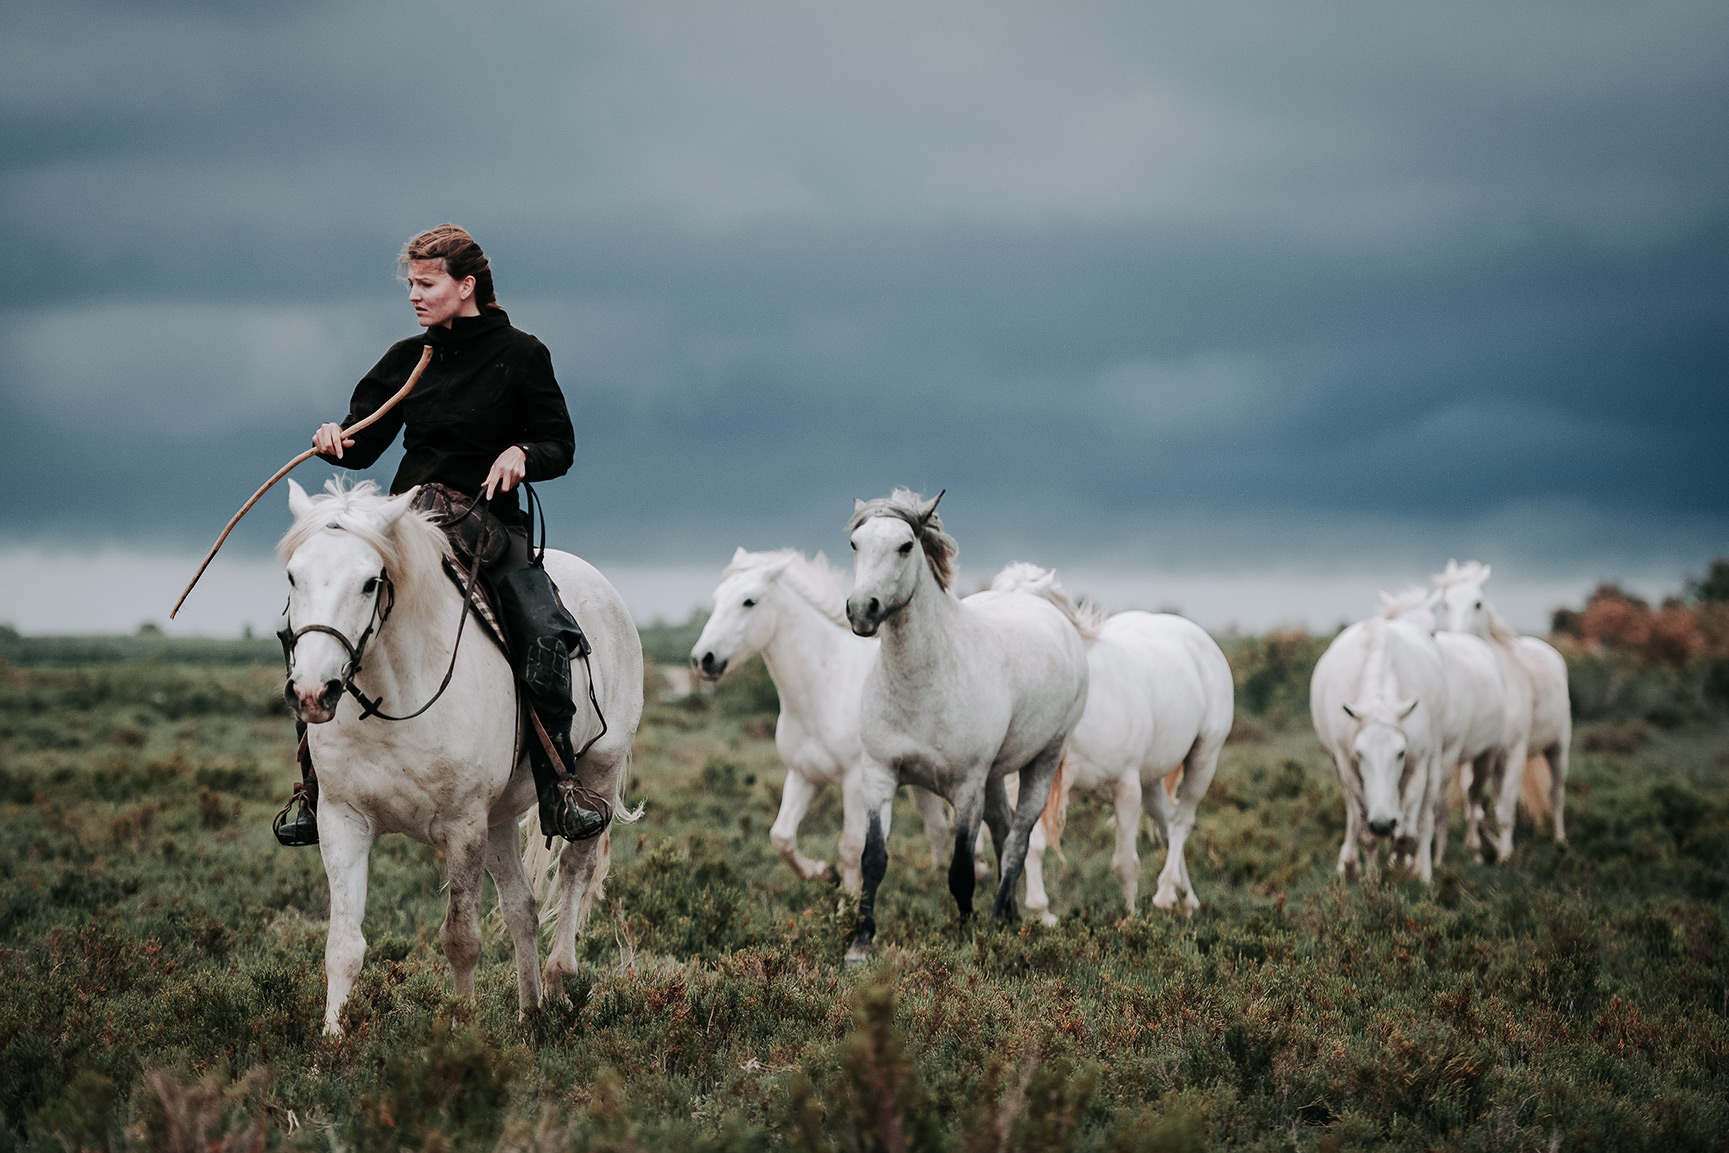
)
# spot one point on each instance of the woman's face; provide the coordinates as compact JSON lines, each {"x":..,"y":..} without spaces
{"x":437,"y":297}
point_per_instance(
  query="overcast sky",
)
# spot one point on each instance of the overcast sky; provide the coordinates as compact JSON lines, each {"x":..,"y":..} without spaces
{"x":1221,"y":291}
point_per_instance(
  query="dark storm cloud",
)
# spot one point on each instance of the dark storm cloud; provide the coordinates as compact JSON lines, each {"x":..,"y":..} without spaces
{"x":1257,"y":278}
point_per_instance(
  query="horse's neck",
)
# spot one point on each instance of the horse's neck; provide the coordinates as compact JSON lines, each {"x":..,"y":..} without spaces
{"x":410,"y":652}
{"x":803,"y":653}
{"x":1494,"y":630}
{"x":921,"y":642}
{"x":1376,"y":684}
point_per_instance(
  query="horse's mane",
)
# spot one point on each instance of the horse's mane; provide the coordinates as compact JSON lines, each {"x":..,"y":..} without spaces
{"x":411,"y":548}
{"x":927,"y":526}
{"x":1022,"y":577}
{"x":1474,"y":572}
{"x":1394,"y":607}
{"x":814,"y":579}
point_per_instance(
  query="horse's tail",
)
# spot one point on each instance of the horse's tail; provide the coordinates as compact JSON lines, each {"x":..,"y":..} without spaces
{"x":1534,"y":789}
{"x":1056,"y":811}
{"x":619,"y":812}
{"x":540,"y":860}
{"x":1021,"y":577}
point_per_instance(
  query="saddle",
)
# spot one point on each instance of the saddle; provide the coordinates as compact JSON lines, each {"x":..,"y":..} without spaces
{"x":481,"y":540}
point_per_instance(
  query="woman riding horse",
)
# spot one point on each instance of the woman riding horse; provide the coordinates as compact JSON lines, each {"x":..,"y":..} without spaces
{"x":487,"y":415}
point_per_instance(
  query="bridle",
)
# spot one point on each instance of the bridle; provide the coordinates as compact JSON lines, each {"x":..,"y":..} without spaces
{"x":384,"y":600}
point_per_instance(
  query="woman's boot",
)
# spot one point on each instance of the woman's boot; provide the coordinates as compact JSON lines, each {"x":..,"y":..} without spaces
{"x":543,"y":637}
{"x":300,"y":828}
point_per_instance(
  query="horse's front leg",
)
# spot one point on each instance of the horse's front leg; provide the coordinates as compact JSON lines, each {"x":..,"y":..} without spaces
{"x":345,"y":842}
{"x":878,"y":787}
{"x":465,"y":850}
{"x":516,"y":905}
{"x":969,"y":803}
{"x":1035,"y":789}
{"x":795,"y":798}
{"x":1126,"y":861}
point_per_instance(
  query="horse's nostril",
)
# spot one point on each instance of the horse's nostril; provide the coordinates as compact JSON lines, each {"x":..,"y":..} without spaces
{"x":332,"y":693}
{"x":708,"y":662}
{"x":1383,"y":828}
{"x":875,"y":607}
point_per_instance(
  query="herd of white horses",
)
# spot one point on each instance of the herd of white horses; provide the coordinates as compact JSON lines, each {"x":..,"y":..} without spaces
{"x":994,"y":710}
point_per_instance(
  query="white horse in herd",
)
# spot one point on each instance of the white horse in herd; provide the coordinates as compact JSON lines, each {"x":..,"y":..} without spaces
{"x":792,"y":611}
{"x":962,"y":694}
{"x":1473,"y":725}
{"x":1378,"y":698}
{"x":1159,"y":699}
{"x":1539,"y":718}
{"x":369,"y":568}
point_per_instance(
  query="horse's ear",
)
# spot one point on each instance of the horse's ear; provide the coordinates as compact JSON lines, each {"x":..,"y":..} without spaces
{"x":1403,"y":711}
{"x":1352,"y":713}
{"x":396,"y":506}
{"x":931,"y":508}
{"x":299,"y":504}
{"x":738,"y":554}
{"x":1486,"y":571}
{"x":857,"y":506}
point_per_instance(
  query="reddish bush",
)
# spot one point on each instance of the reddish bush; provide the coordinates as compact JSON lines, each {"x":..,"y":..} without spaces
{"x":1613,"y":617}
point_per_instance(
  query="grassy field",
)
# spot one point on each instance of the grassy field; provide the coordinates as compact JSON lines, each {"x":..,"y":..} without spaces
{"x":161,"y":976}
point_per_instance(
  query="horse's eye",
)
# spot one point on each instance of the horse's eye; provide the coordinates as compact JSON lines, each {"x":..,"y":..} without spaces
{"x":290,"y":580}
{"x":370,"y":586}
{"x":1478,"y":605}
{"x":750,"y":602}
{"x":906,"y":548}
{"x":854,"y":545}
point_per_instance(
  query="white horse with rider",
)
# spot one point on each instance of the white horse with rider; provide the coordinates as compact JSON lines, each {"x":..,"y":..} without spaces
{"x":1539,"y":716}
{"x":791,"y":610}
{"x":1378,"y":699}
{"x":1160,"y":700}
{"x":963,"y":693}
{"x":373,"y":610}
{"x":1473,"y":727}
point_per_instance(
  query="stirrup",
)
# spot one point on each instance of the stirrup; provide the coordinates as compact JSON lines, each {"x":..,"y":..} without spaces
{"x":301,"y":829}
{"x":570,"y":820}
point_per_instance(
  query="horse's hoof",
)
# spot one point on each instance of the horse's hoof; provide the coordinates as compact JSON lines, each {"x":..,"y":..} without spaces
{"x":858,"y":953}
{"x":1046,"y":917}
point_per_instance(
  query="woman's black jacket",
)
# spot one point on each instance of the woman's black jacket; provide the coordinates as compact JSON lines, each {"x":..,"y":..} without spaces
{"x":489,"y":386}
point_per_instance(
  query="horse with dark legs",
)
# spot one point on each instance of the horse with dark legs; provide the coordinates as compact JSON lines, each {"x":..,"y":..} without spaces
{"x":791,"y":610}
{"x":963,"y":693}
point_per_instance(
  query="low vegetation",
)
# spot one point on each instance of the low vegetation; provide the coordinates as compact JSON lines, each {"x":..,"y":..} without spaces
{"x":161,"y":977}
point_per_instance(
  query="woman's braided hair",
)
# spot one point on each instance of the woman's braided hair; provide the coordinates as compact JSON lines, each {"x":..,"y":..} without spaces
{"x":461,"y":255}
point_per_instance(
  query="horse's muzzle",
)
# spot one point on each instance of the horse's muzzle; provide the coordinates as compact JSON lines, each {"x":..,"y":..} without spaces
{"x":866,"y":618}
{"x":1384,"y":828}
{"x":314,"y":707}
{"x":709,"y":668}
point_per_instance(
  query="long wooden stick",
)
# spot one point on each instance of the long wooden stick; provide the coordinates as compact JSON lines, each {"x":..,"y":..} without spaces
{"x":413,"y":379}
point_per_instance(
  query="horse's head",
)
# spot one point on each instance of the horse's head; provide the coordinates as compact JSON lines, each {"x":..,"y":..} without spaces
{"x":1464,"y":608}
{"x":743,"y":619}
{"x":338,"y":588}
{"x":1380,"y":751}
{"x":893,"y":538}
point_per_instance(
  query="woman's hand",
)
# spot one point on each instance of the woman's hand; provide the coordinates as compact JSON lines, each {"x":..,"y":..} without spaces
{"x":507,"y":472}
{"x":328,"y":440}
